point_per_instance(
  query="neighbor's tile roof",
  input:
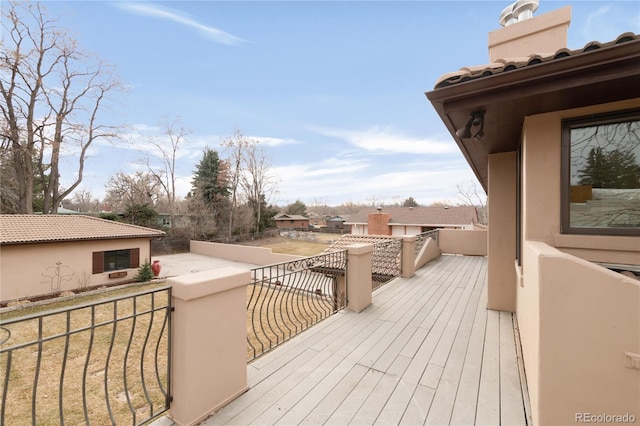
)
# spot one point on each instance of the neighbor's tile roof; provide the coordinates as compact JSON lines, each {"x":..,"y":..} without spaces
{"x":24,"y":228}
{"x":347,"y":240}
{"x":421,"y":216}
{"x":505,"y":65}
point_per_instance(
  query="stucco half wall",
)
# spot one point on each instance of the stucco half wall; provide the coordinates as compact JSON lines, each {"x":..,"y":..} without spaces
{"x":469,"y":242}
{"x":578,"y":322}
{"x":240,"y":253}
{"x":29,"y":270}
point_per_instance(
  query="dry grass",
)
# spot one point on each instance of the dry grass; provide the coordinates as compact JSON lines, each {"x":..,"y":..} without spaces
{"x":275,"y":315}
{"x":90,"y":360}
{"x":299,"y":247}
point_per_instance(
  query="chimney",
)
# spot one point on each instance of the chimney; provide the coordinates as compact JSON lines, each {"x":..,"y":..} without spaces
{"x":378,"y":223}
{"x":523,"y":34}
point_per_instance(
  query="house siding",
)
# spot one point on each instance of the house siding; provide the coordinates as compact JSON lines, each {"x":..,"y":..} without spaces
{"x":30,"y":270}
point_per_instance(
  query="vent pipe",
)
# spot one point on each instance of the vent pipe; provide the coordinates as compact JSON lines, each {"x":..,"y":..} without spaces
{"x":519,"y":11}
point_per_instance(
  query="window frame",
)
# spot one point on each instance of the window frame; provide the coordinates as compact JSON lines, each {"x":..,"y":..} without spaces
{"x":100,"y":264}
{"x":565,"y":180}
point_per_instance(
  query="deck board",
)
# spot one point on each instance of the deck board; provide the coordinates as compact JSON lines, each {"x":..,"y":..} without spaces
{"x":425,"y":352}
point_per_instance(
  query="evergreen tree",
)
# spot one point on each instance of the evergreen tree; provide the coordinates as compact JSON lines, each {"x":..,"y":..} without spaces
{"x":141,"y":215}
{"x":210,"y":182}
{"x":410,"y":202}
{"x":145,"y":273}
{"x":298,"y":207}
{"x":610,"y":169}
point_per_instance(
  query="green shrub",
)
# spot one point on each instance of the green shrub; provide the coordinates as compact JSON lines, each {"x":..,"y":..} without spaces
{"x":145,"y":273}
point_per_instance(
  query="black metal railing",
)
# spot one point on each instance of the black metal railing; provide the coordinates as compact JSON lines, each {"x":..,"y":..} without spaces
{"x":421,"y":239}
{"x":386,"y":262}
{"x":98,"y":363}
{"x":287,"y":298}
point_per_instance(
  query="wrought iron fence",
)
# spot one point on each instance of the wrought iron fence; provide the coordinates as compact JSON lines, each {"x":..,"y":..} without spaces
{"x":385,"y":262}
{"x":100,"y":363}
{"x":287,"y":298}
{"x":423,"y":237}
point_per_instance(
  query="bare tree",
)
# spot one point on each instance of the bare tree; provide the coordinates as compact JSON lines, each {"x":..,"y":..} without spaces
{"x":53,"y":93}
{"x":375,"y":200}
{"x":234,"y":147}
{"x":167,"y":146}
{"x":469,"y":196}
{"x":250,"y":171}
{"x":84,"y":201}
{"x":129,"y":190}
{"x":256,"y":179}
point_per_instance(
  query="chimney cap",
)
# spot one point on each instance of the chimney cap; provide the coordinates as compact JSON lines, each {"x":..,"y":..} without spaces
{"x":518,"y":11}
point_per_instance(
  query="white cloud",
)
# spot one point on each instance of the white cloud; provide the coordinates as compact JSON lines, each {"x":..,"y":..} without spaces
{"x":593,"y":21}
{"x":386,"y":140}
{"x":162,"y":12}
{"x":340,"y":180}
{"x":273,"y":141}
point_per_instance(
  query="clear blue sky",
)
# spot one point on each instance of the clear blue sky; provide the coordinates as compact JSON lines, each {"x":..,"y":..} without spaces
{"x":333,"y":89}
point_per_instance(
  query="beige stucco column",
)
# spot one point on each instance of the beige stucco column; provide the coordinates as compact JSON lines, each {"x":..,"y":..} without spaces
{"x":408,"y":256}
{"x":209,"y":342}
{"x":359,"y":277}
{"x":501,"y":288}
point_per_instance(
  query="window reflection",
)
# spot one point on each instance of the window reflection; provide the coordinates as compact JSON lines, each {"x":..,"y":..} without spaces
{"x":605,"y":175}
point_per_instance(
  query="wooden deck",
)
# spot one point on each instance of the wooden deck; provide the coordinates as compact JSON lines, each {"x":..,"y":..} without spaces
{"x":426,"y":352}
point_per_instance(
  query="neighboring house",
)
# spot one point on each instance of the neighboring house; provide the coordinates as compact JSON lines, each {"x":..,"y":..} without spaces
{"x":563,"y":246}
{"x":315,"y":218}
{"x":335,"y":223}
{"x":411,"y":220}
{"x":290,"y":221}
{"x":180,"y":221}
{"x":43,"y":254}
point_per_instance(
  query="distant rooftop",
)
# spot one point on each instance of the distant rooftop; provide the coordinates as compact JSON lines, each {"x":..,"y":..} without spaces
{"x":22,"y":228}
{"x":420,"y":216}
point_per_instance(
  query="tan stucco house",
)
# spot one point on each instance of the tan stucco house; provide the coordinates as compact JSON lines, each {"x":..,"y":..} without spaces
{"x":563,"y":247}
{"x":43,"y":254}
{"x":398,"y":221}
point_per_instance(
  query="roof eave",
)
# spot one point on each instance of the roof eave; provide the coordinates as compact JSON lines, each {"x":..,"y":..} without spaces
{"x":68,"y":240}
{"x":605,"y":75}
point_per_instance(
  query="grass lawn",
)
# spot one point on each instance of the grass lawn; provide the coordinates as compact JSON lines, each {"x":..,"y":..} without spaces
{"x":299,"y":247}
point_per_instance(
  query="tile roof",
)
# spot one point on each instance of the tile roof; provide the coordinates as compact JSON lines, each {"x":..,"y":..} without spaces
{"x":421,"y":216}
{"x":347,"y":240}
{"x":510,"y":64}
{"x":23,"y":228}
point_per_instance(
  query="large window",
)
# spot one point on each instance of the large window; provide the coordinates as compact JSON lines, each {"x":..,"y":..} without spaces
{"x":115,"y":260}
{"x":601,"y":174}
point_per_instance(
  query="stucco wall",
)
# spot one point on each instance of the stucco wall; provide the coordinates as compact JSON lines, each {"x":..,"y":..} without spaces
{"x":501,"y":292}
{"x":576,"y":321}
{"x":575,"y":317}
{"x":359,"y":229}
{"x":541,"y":160}
{"x":28,"y":270}
{"x":401,"y":230}
{"x":239,"y":253}
{"x":459,"y":241}
{"x":430,"y":251}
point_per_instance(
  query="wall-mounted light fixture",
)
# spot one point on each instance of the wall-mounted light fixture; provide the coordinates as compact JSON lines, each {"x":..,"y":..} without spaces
{"x":474,"y":126}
